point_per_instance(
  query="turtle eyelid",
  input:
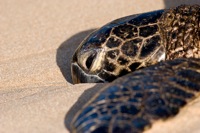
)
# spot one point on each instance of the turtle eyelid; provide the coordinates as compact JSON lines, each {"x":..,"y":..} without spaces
{"x":90,"y":60}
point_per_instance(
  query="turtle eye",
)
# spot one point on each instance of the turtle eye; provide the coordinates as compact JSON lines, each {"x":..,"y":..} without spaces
{"x":90,"y":60}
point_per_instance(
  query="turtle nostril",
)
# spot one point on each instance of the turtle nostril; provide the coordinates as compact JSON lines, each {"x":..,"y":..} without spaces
{"x":90,"y":60}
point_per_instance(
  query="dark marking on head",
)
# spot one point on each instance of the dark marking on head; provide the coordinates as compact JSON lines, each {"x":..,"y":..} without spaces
{"x":130,"y":48}
{"x":134,"y":66}
{"x":109,"y":66}
{"x":113,"y":42}
{"x":148,"y":30}
{"x":149,"y":46}
{"x":126,"y":31}
{"x":112,"y":54}
{"x":122,"y":61}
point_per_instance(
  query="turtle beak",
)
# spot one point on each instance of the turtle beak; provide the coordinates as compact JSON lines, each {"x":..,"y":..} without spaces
{"x":80,"y":76}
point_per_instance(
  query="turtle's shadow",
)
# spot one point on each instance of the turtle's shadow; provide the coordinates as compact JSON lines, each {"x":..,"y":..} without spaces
{"x":66,"y":50}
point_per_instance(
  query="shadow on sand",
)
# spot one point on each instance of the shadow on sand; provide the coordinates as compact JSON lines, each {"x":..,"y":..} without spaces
{"x":63,"y":59}
{"x":66,"y":51}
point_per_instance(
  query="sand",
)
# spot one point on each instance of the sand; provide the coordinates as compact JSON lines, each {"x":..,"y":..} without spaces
{"x":37,"y":40}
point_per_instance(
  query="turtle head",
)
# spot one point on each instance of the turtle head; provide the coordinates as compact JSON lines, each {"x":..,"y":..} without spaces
{"x":88,"y":59}
{"x":118,"y":48}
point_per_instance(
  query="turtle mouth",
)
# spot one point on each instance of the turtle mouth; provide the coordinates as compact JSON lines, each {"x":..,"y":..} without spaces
{"x":80,"y":76}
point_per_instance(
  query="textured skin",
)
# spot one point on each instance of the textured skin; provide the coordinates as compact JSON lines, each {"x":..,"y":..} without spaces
{"x":181,"y":32}
{"x":132,"y":103}
{"x":137,"y":41}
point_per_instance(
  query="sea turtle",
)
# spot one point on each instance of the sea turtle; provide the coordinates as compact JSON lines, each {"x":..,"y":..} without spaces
{"x":133,"y":102}
{"x":137,"y":41}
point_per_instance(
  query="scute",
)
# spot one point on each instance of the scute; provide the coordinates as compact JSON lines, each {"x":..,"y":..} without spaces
{"x":134,"y":66}
{"x":112,"y":54}
{"x":109,"y":66}
{"x":149,"y":46}
{"x":131,"y":48}
{"x":122,"y":61}
{"x":125,"y":31}
{"x":113,"y":42}
{"x":148,"y":30}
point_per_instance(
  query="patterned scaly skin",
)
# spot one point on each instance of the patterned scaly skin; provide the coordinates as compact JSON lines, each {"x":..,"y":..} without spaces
{"x":181,"y":32}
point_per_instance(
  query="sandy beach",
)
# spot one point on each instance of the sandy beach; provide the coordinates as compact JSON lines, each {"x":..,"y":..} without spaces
{"x":37,"y":41}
